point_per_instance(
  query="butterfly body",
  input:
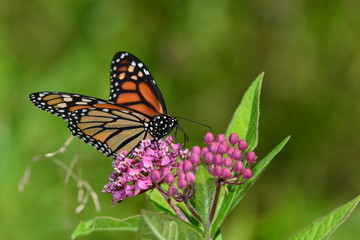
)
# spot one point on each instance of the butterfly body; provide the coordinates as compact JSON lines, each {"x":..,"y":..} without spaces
{"x":135,"y":109}
{"x":161,"y":125}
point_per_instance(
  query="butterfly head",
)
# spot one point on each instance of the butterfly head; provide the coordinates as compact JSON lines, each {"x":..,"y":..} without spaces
{"x":161,"y":125}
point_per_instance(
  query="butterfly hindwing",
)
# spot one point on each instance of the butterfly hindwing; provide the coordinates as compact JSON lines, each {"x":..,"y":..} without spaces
{"x":132,"y":85}
{"x":109,"y":130}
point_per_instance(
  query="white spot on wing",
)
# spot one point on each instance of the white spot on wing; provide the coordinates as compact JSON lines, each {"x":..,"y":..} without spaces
{"x":61,"y":105}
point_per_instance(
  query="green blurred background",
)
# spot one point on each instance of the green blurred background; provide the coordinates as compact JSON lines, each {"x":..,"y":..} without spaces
{"x":204,"y":55}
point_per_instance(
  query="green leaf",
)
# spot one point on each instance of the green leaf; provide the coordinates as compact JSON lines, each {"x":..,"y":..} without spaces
{"x":160,"y":203}
{"x":106,"y":223}
{"x":204,"y":194}
{"x":245,"y":120}
{"x":155,"y":225}
{"x":236,"y":193}
{"x":323,"y":227}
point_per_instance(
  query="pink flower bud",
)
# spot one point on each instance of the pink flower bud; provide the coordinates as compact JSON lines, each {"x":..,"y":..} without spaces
{"x":238,"y":166}
{"x":165,"y":171}
{"x":209,"y":138}
{"x":181,"y":175}
{"x":180,"y":167}
{"x":169,"y":179}
{"x":230,"y":150}
{"x":217,"y":159}
{"x":247,"y":173}
{"x":217,"y":172}
{"x":190,"y":177}
{"x":213,"y":147}
{"x":220,"y":137}
{"x":233,"y":138}
{"x":182,"y":183}
{"x":236,"y":154}
{"x":208,"y":159}
{"x":250,"y":157}
{"x":155,"y":176}
{"x":223,"y":147}
{"x":227,"y":162}
{"x":204,"y":150}
{"x":243,"y":145}
{"x":195,"y":158}
{"x":226,"y":173}
{"x":187,"y":165}
{"x":196,"y":149}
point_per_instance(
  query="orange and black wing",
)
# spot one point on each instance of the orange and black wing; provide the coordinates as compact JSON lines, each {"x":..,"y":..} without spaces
{"x":109,"y":130}
{"x":63,"y":104}
{"x":133,"y":86}
{"x":108,"y":127}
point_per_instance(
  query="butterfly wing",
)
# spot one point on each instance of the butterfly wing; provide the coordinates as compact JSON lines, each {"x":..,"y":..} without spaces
{"x":108,"y":127}
{"x":109,"y":130}
{"x":64,"y":104}
{"x":133,"y":86}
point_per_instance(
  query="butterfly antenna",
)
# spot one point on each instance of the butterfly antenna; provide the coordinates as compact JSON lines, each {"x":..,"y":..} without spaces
{"x":176,"y":130}
{"x":186,"y":137}
{"x":202,"y":124}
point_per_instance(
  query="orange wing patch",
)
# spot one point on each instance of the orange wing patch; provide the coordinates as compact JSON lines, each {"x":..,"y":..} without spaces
{"x":128,"y":86}
{"x":150,"y":96}
{"x":74,"y":108}
{"x":102,"y":136}
{"x":51,"y":96}
{"x":128,"y":98}
{"x":111,"y":106}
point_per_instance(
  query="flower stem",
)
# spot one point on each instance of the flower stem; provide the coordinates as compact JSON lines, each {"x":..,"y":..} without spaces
{"x":193,"y":211}
{"x":172,"y":205}
{"x":215,"y":202}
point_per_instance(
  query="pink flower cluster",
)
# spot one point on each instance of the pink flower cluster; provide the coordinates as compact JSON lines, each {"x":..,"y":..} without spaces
{"x":226,"y":160}
{"x":185,"y":174}
{"x":135,"y":175}
{"x":157,"y":163}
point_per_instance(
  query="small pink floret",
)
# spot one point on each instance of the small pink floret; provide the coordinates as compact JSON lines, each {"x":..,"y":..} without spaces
{"x":233,"y":138}
{"x":247,"y":173}
{"x":243,"y":145}
{"x":220,"y":138}
{"x":250,"y":157}
{"x":209,"y":138}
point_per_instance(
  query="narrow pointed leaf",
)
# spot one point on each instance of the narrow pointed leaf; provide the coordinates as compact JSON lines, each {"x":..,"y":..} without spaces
{"x":106,"y":223}
{"x":236,"y":193}
{"x":204,"y":195}
{"x":323,"y":227}
{"x":155,"y":225}
{"x":245,"y":120}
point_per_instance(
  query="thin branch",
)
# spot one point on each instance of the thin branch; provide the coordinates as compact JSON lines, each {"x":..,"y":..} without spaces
{"x":193,"y":211}
{"x":172,"y":204}
{"x":216,"y":199}
{"x":81,"y":183}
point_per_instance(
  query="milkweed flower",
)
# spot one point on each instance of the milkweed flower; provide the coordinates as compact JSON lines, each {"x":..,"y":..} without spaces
{"x":150,"y":165}
{"x":169,"y":168}
{"x":226,"y":159}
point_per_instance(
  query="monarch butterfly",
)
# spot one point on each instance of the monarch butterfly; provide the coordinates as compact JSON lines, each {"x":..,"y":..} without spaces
{"x":135,"y":110}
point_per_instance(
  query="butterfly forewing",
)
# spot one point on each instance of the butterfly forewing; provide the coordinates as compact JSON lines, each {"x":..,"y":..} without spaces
{"x":133,"y":86}
{"x":63,"y":104}
{"x":109,"y":130}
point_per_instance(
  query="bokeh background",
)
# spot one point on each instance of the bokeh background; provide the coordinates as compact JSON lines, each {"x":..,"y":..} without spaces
{"x":204,"y":55}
